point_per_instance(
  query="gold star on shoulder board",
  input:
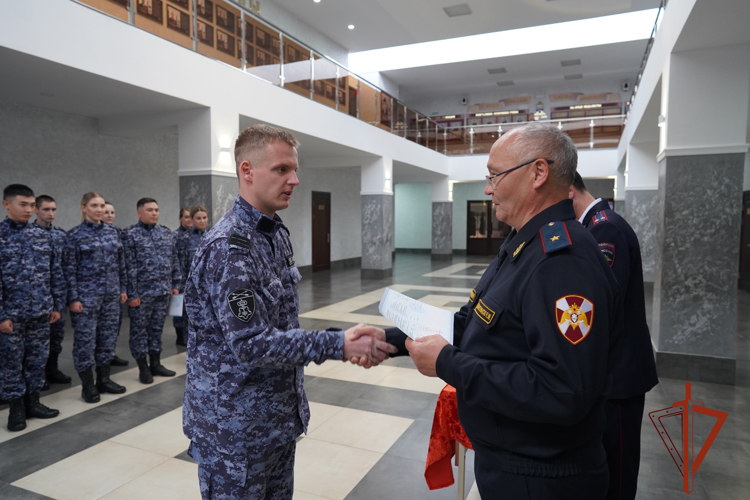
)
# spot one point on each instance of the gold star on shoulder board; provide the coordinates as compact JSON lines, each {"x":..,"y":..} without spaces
{"x":554,"y":238}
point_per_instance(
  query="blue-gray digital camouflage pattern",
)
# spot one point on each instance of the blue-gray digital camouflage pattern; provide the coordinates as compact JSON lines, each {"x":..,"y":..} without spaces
{"x":56,"y":329}
{"x":121,"y":234}
{"x":147,"y":325}
{"x":32,"y":288}
{"x":152,"y":261}
{"x":244,"y":392}
{"x":94,"y":265}
{"x":190,"y":243}
{"x":179,"y":239}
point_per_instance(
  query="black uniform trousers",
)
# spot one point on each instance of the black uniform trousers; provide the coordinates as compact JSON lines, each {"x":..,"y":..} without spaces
{"x":622,"y":440}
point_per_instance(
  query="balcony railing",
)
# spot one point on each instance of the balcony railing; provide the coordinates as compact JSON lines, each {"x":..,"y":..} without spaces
{"x":230,"y":32}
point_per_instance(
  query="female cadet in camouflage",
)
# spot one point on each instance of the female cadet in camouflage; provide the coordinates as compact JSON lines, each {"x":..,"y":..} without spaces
{"x":94,"y":264}
{"x":190,"y":243}
{"x":179,"y":240}
{"x":32,"y":294}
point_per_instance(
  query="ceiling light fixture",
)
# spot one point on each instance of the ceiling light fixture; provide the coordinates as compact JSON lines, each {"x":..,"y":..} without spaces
{"x":617,"y":28}
{"x":351,"y":26}
{"x":457,"y":10}
{"x":316,"y":1}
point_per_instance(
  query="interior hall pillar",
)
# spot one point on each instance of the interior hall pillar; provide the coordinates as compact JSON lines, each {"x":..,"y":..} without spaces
{"x":206,"y":160}
{"x":698,"y":215}
{"x":642,"y":200}
{"x":442,"y":220}
{"x":377,"y":218}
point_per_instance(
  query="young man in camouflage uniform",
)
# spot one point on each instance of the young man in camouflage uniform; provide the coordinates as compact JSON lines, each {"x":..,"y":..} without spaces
{"x":154,"y":277}
{"x":32,"y":293}
{"x":46,"y":211}
{"x":244,"y":401}
{"x":180,"y":237}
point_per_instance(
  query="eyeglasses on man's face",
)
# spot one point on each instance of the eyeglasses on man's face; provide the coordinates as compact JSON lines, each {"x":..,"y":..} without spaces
{"x":491,"y":182}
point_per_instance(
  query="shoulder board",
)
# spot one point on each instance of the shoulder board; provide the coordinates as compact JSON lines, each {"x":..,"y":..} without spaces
{"x":554,"y":237}
{"x":600,"y":217}
{"x":239,"y":241}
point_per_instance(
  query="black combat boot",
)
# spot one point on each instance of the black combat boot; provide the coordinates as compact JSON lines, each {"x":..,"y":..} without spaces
{"x":45,"y":387}
{"x":117,"y":361}
{"x":104,"y":384}
{"x":53,"y":373}
{"x":16,"y":415}
{"x":89,"y":392}
{"x":180,"y":336}
{"x":36,"y":409}
{"x":157,"y":369}
{"x":144,"y":374}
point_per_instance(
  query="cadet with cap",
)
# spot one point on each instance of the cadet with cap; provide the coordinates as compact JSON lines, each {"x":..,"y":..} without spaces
{"x":535,"y":344}
{"x":635,"y":370}
{"x":245,"y":404}
{"x":32,"y":294}
{"x":154,"y":277}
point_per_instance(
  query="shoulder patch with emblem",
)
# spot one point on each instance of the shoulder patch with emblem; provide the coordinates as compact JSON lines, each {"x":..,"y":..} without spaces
{"x":599,"y":217}
{"x":608,"y":249}
{"x":289,"y":260}
{"x":239,"y":241}
{"x":575,"y":316}
{"x":554,"y":237}
{"x":242,"y":304}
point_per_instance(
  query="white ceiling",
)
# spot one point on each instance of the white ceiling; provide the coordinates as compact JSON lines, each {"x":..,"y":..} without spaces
{"x":389,"y":23}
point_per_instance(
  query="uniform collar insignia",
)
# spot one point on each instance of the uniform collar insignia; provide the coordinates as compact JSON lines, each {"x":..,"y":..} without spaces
{"x":518,"y":250}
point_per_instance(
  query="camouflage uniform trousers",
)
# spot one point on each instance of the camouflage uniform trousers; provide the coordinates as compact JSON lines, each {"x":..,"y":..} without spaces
{"x":147,"y":325}
{"x":95,"y":331}
{"x":23,"y":356}
{"x":56,"y":334}
{"x":271,"y":478}
{"x":179,"y":321}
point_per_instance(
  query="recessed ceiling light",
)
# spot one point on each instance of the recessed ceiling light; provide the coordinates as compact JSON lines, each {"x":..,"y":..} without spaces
{"x":496,"y":71}
{"x":457,"y":10}
{"x":577,"y":76}
{"x":351,"y":26}
{"x":316,"y":1}
{"x":505,"y":83}
{"x":571,"y":62}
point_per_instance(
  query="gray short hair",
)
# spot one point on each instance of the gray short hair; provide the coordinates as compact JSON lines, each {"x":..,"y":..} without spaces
{"x":540,"y":140}
{"x":253,"y":140}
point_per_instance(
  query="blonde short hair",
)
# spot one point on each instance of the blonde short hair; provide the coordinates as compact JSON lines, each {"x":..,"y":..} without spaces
{"x":251,"y":143}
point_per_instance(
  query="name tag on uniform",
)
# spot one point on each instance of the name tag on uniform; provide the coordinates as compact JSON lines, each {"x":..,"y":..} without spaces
{"x":484,"y":313}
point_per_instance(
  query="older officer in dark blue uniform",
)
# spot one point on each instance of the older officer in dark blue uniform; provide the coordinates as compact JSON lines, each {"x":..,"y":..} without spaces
{"x":244,"y":401}
{"x":46,"y":211}
{"x":534,"y":346}
{"x":154,"y":277}
{"x":635,"y":370}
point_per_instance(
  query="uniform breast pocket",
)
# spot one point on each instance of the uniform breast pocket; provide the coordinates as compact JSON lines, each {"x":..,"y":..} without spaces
{"x":487,"y":312}
{"x":273,"y":294}
{"x":42,"y":254}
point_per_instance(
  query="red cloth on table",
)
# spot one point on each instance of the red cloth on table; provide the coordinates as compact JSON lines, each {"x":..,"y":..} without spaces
{"x":446,"y":429}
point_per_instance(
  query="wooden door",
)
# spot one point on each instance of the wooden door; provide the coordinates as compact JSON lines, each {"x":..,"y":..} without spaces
{"x":321,"y":231}
{"x":745,"y":244}
{"x":484,"y":233}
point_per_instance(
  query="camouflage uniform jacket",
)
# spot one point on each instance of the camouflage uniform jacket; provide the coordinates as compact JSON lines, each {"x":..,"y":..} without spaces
{"x":179,"y":239}
{"x":192,"y":242}
{"x":152,"y":263}
{"x":94,"y":261}
{"x":60,"y":238}
{"x":30,"y":272}
{"x":244,"y":391}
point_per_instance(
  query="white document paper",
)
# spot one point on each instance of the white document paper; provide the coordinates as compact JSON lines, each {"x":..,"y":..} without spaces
{"x":175,"y":305}
{"x":415,"y":318}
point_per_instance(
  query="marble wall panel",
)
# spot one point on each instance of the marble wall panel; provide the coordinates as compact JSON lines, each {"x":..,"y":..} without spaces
{"x":695,"y":287}
{"x":377,"y":231}
{"x":442,"y":228}
{"x":641,"y":213}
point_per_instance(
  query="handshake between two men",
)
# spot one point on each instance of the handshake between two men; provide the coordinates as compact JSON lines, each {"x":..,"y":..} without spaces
{"x":365,"y":345}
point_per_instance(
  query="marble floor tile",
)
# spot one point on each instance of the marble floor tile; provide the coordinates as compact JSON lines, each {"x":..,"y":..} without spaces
{"x":32,"y":424}
{"x":457,"y":270}
{"x":314,"y":369}
{"x":330,"y":470}
{"x":162,"y":435}
{"x":412,"y":380}
{"x":361,"y":429}
{"x":9,"y":492}
{"x":319,"y":414}
{"x":171,"y":480}
{"x":354,"y":373}
{"x":301,"y":495}
{"x":92,"y":473}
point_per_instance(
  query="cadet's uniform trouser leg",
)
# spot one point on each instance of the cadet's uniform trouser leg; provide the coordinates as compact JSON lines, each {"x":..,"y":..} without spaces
{"x":85,"y":332}
{"x":147,"y":324}
{"x":622,"y":442}
{"x":56,"y":333}
{"x":269,"y":479}
{"x":107,"y":329}
{"x":178,"y":322}
{"x":494,"y":483}
{"x":23,"y":356}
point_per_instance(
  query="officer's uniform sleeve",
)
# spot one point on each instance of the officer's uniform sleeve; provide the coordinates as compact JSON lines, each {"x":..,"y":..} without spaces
{"x":177,"y":276}
{"x":70,"y":265}
{"x":57,"y":279}
{"x":614,"y":245}
{"x":131,"y":265}
{"x":3,"y":315}
{"x":123,"y":267}
{"x":229,"y":273}
{"x":397,"y":338}
{"x":560,"y":380}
